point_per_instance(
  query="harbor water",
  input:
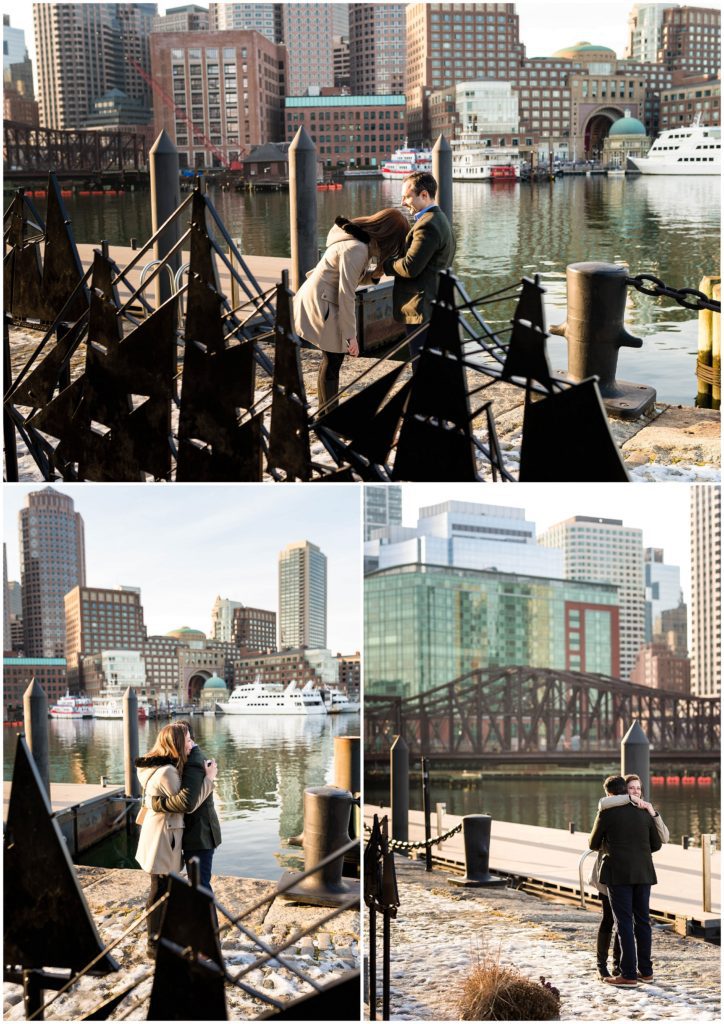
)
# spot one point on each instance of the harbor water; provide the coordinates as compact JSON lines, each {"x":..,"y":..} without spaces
{"x":666,"y":226}
{"x":265,"y":764}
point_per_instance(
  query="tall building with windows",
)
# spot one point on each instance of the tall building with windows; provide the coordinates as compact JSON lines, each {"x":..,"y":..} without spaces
{"x":308,"y":34}
{"x":377,"y":48}
{"x":222,"y":618}
{"x":187,"y":18}
{"x":302,"y":596}
{"x":99,"y":619}
{"x":426,"y":625}
{"x":645,"y":25}
{"x":84,"y":52}
{"x":606,"y":551}
{"x":663,"y":589}
{"x":263,"y":18}
{"x":7,"y":635}
{"x":691,"y":40}
{"x":254,"y":629}
{"x":705,"y":541}
{"x":52,"y":562}
{"x":383,"y":507}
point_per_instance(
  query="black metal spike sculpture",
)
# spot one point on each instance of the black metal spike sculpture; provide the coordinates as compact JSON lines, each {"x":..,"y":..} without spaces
{"x":527,"y":357}
{"x":185,"y":987}
{"x":62,"y":270}
{"x":47,"y":922}
{"x":289,"y":430}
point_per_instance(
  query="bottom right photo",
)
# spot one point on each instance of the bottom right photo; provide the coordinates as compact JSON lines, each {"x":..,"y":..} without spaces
{"x":542,"y":713}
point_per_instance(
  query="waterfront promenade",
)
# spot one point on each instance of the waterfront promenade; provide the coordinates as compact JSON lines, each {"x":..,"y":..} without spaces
{"x":442,"y":932}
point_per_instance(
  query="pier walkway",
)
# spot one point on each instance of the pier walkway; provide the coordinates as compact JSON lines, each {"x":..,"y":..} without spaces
{"x":86,"y":814}
{"x":546,"y":860}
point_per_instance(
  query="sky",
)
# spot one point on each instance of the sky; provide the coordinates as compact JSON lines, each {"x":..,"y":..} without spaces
{"x":661,"y":510}
{"x":545,"y":25}
{"x":186,"y":544}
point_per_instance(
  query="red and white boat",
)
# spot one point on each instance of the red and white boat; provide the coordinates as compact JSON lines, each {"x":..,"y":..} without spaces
{"x":72,"y":706}
{"x":404,"y":162}
{"x":474,"y":160}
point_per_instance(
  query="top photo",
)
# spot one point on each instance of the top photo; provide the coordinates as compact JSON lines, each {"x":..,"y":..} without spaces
{"x":364,"y":242}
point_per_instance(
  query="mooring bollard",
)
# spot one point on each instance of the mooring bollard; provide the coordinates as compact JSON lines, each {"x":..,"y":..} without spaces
{"x":685,"y":842}
{"x":476,"y":835}
{"x":348,"y":775}
{"x":130,"y":742}
{"x":707,"y":848}
{"x":442,"y":171}
{"x":165,"y":198}
{"x":399,"y":789}
{"x":35,"y":713}
{"x":302,"y":206}
{"x":635,"y":756}
{"x":704,"y":373}
{"x":716,"y":351}
{"x":326,"y":829}
{"x":594,"y":332}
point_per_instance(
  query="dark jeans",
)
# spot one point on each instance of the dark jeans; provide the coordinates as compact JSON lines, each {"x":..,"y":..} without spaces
{"x":159,"y":886}
{"x":205,"y":858}
{"x":328,"y":378}
{"x":630,"y":906}
{"x":417,"y":344}
{"x":603,"y":940}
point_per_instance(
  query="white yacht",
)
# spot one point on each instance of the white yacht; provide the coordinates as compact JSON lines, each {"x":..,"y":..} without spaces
{"x":338,"y":703}
{"x":72,"y":706}
{"x":259,"y":698}
{"x":406,"y":161}
{"x":473,"y":160}
{"x":692,"y":150}
{"x":108,"y":705}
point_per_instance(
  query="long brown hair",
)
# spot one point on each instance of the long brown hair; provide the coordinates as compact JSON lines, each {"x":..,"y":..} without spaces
{"x":171,"y":742}
{"x":387,"y":228}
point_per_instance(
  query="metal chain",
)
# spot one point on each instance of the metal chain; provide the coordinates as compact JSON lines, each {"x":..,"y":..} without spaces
{"x":397,"y":844}
{"x":689,"y":298}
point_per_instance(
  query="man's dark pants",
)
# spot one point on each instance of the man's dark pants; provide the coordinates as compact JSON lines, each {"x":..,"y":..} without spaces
{"x":416,"y":345}
{"x":603,"y":940}
{"x":630,"y":906}
{"x":205,"y":858}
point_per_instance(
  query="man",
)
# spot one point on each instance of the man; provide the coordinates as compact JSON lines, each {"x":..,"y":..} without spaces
{"x":202,"y":832}
{"x":627,"y":870}
{"x":429,"y":248}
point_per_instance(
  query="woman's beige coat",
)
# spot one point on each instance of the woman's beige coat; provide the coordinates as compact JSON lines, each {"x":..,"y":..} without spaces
{"x":324,"y":307}
{"x":159,"y":845}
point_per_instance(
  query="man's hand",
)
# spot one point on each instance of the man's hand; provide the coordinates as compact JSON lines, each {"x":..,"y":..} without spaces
{"x":211,"y":768}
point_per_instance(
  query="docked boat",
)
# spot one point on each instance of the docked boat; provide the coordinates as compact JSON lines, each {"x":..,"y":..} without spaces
{"x":338,"y":703}
{"x":72,"y":706}
{"x":472,"y":160}
{"x":692,"y":150}
{"x":259,"y":698}
{"x":108,"y":705}
{"x":404,"y":162}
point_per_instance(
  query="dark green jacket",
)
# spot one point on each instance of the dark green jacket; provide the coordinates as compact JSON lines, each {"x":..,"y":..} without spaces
{"x":429,"y":248}
{"x":629,"y":838}
{"x":201,"y":829}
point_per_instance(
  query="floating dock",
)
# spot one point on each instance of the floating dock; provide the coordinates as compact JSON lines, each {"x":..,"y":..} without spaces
{"x":86,"y":814}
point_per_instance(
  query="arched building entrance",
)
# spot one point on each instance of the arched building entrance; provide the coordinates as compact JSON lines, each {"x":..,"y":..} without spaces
{"x":596,"y":130}
{"x":195,"y":685}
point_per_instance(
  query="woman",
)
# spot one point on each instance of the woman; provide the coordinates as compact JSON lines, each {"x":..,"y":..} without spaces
{"x":324,"y":307}
{"x":159,"y":845}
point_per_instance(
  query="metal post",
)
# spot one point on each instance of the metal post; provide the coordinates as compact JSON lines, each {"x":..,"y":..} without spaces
{"x":302,"y":206}
{"x":348,"y":775}
{"x":595,"y":332}
{"x":685,"y":842}
{"x":11,"y":447}
{"x":386,"y":917}
{"x":635,"y":756}
{"x":716,"y":352}
{"x":373,"y":964}
{"x":476,"y":836}
{"x":706,"y":316}
{"x":440,"y":810}
{"x":426,"y":812}
{"x":399,"y":789}
{"x":35,"y":713}
{"x":165,"y":198}
{"x":706,"y":849}
{"x":130,"y":742}
{"x":442,"y":173}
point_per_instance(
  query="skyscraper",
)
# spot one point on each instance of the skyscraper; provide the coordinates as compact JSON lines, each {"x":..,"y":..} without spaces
{"x":302,"y":596}
{"x":222,"y":618}
{"x":101,"y":619}
{"x":691,"y":40}
{"x":308,"y":34}
{"x":606,"y":551}
{"x":705,"y":541}
{"x":383,"y":507}
{"x":7,"y":636}
{"x":377,"y":48}
{"x":663,"y":589}
{"x":645,"y":23}
{"x":52,"y":562}
{"x":263,"y":18}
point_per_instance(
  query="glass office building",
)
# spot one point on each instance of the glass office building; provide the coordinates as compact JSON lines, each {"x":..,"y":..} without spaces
{"x":426,"y":625}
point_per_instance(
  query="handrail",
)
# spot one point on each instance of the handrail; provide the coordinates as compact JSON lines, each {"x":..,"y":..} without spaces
{"x":581,"y":862}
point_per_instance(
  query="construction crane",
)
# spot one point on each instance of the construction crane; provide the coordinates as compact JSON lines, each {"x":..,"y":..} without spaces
{"x":180,"y":113}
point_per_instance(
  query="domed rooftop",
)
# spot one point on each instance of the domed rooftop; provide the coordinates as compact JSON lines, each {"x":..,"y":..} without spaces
{"x":585,"y":51}
{"x":215,"y":683}
{"x":186,"y":633}
{"x":627,"y":126}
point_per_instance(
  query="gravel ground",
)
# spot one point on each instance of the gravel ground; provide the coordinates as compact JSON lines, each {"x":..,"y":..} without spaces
{"x":441,"y":932}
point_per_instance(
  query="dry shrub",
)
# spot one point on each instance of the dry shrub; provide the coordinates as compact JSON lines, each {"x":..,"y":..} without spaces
{"x":492,"y":992}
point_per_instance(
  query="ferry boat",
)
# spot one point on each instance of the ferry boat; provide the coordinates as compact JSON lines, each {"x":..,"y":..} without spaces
{"x":474,"y":161}
{"x":404,"y":162}
{"x":338,"y":703}
{"x":108,"y":705}
{"x":72,"y":706}
{"x":692,"y":150}
{"x":259,"y":698}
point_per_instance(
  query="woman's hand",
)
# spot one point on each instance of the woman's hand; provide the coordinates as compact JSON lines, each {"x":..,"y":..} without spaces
{"x":352,"y":347}
{"x":211,"y":769}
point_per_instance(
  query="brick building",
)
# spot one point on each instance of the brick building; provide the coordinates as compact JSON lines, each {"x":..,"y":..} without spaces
{"x":349,"y":130}
{"x":18,"y":673}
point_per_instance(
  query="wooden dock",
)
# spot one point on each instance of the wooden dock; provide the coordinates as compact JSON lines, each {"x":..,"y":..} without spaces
{"x":546,"y":860}
{"x":86,"y":814}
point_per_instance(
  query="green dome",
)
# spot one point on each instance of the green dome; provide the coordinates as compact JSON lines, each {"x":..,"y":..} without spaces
{"x":583,"y":48}
{"x":215,"y":683}
{"x":626,"y":126}
{"x":186,"y":631}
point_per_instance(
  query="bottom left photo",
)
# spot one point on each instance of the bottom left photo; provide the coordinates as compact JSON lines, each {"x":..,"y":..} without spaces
{"x":181,"y":752}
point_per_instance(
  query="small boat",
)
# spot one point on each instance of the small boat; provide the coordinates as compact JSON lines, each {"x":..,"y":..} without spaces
{"x":338,"y":703}
{"x":363,"y":172}
{"x":72,"y":706}
{"x":692,"y":150}
{"x":473,"y":160}
{"x":259,"y":698}
{"x":404,"y":162}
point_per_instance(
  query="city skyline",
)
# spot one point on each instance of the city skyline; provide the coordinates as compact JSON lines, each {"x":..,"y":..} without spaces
{"x":201,"y":542}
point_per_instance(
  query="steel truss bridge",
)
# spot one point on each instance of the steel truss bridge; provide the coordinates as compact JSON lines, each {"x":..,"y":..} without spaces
{"x":532,"y":714}
{"x":29,"y":151}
